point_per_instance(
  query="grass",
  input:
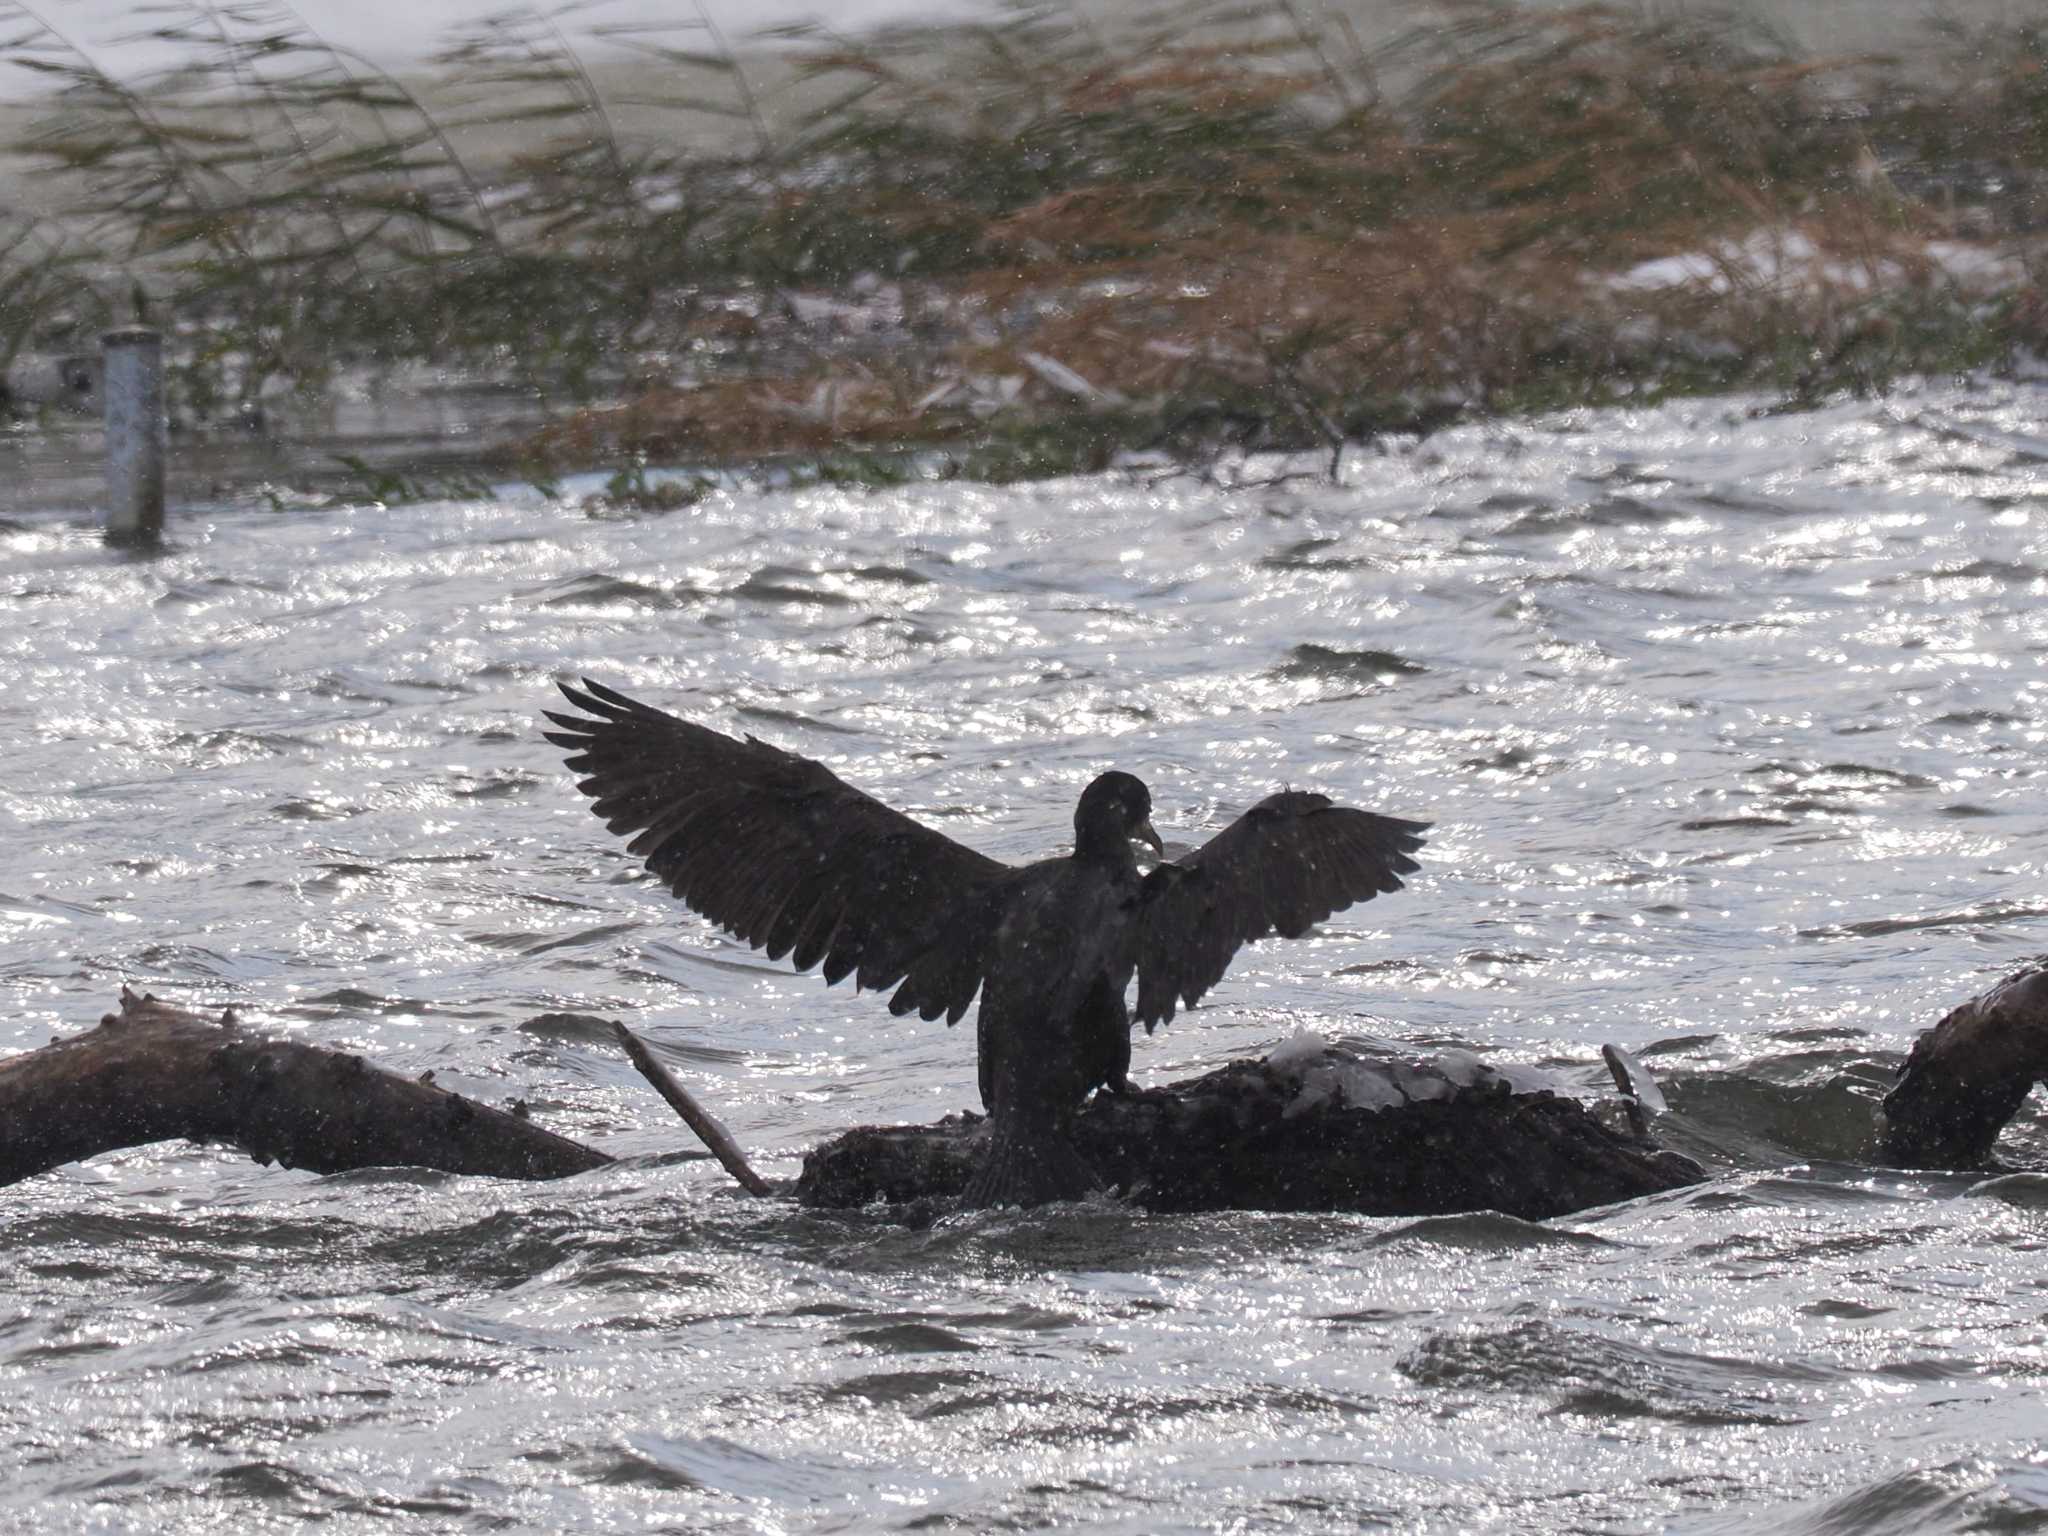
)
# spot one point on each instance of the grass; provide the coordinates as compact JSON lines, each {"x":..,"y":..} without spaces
{"x":1036,"y":245}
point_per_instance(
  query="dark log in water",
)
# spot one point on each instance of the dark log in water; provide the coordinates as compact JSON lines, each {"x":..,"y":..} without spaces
{"x":1969,"y":1075}
{"x":1311,"y":1128}
{"x":1325,"y":1130}
{"x":156,"y":1073}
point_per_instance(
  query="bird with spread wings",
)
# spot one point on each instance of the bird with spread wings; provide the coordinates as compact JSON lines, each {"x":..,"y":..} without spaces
{"x":781,"y":852}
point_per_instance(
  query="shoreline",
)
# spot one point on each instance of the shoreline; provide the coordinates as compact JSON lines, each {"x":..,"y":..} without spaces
{"x":1079,"y":248}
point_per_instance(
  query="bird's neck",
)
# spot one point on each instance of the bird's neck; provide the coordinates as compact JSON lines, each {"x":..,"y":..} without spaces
{"x":1105,"y":848}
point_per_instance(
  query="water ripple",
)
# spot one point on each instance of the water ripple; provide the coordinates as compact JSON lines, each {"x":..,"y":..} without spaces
{"x":1733,"y":728}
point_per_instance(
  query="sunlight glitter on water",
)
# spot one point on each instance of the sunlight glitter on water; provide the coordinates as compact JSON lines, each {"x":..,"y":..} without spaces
{"x":1733,"y":730}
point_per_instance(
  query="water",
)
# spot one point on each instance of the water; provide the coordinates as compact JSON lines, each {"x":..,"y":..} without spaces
{"x":1735,"y":734}
{"x":398,"y":34}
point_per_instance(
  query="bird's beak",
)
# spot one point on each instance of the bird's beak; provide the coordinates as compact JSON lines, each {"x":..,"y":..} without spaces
{"x":1148,"y":835}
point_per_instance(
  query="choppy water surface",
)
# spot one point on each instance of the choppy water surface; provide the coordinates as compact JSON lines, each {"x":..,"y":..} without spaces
{"x":1736,"y":735}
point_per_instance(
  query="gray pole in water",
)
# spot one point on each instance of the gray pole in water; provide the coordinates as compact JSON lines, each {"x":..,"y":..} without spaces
{"x":133,"y":388}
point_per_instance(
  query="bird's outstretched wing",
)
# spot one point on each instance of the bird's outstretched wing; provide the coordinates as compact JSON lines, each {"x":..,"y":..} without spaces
{"x":785,"y":854}
{"x":1282,"y":867}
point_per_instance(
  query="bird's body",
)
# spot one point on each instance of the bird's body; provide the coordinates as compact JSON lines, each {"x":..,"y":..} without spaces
{"x":780,"y":851}
{"x":1052,"y":1026}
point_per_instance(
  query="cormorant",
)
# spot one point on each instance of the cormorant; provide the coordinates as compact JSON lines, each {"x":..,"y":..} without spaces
{"x":783,"y":853}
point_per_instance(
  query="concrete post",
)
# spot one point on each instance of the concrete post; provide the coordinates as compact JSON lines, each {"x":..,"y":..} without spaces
{"x":133,"y":390}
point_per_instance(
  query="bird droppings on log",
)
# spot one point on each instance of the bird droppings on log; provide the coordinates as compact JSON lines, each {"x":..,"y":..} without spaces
{"x":1299,"y":1131}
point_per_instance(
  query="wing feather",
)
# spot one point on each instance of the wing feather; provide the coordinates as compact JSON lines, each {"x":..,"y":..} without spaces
{"x":1282,"y":867}
{"x":781,"y":852}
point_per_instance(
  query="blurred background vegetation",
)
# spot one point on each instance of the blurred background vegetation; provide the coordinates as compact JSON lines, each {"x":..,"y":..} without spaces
{"x":1032,"y":242}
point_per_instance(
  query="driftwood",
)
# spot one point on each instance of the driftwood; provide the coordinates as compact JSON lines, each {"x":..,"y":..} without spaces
{"x":1310,"y":1128}
{"x":156,"y":1073}
{"x":1317,"y":1129}
{"x":1969,"y":1075}
{"x":694,"y":1115}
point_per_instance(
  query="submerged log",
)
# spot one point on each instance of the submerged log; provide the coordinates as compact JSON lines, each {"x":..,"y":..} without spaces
{"x":1311,"y":1128}
{"x":153,"y":1072}
{"x":1968,"y":1076}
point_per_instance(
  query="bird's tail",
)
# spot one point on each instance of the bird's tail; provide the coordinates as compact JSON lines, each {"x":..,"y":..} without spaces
{"x":1028,"y":1162}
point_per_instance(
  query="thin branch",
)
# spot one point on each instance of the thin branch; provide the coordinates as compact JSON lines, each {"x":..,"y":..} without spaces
{"x":699,"y":1119}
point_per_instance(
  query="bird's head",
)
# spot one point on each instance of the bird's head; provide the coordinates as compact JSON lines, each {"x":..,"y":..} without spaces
{"x":1115,"y":811}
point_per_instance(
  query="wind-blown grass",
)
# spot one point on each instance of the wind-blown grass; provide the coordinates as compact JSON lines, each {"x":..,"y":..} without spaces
{"x":1227,"y":229}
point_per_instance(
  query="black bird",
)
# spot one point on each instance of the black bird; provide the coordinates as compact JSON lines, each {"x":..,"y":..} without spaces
{"x":783,"y":853}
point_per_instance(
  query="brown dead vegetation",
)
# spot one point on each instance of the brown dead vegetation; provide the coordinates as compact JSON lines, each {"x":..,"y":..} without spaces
{"x":1218,"y":237}
{"x":1033,"y":220}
